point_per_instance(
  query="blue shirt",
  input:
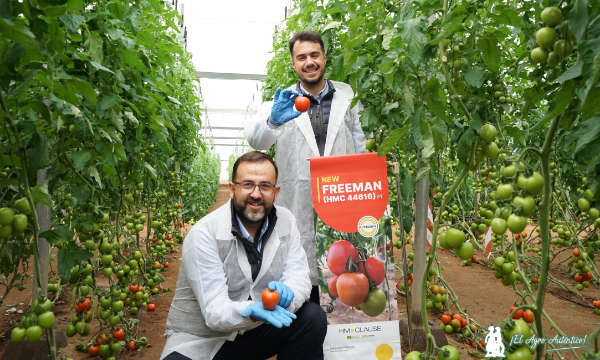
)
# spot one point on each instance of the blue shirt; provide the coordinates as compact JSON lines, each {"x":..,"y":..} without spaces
{"x":321,"y":93}
{"x":246,"y":235}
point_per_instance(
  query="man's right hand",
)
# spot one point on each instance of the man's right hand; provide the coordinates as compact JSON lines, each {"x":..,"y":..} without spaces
{"x":283,"y":107}
{"x":278,"y":317}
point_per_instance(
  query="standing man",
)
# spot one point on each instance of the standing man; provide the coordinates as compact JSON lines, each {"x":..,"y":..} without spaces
{"x":229,"y":257}
{"x":329,"y":127}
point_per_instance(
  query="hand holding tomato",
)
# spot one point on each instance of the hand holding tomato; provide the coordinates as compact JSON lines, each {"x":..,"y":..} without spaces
{"x":283,"y":107}
{"x":286,"y":295}
{"x":302,"y":103}
{"x":279,"y":317}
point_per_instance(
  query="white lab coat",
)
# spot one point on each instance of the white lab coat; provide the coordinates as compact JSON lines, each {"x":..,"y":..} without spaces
{"x":294,"y":144}
{"x":215,"y":282}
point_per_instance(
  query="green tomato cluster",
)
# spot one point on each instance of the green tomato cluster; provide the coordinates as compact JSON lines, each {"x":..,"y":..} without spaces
{"x":553,"y":45}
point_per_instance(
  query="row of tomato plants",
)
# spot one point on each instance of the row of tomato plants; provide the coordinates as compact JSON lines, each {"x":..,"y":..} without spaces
{"x":436,"y":80}
{"x":98,"y":141}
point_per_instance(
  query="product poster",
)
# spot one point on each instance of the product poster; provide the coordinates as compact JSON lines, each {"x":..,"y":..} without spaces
{"x":350,"y":196}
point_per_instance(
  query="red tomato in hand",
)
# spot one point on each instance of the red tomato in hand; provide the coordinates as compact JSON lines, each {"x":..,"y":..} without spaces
{"x":338,"y":254}
{"x":270,"y":298}
{"x":352,"y":288}
{"x":302,"y":103}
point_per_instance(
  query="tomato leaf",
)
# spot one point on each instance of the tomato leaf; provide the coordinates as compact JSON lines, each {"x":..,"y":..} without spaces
{"x":19,"y":33}
{"x":69,"y":257}
{"x":586,"y":134}
{"x":393,"y":138}
{"x":80,"y":158}
{"x":578,"y":18}
{"x":571,"y":73}
{"x":39,"y":194}
{"x":414,"y":37}
{"x":72,"y":21}
{"x":488,"y":47}
{"x":435,"y":98}
{"x":474,"y":76}
{"x":562,"y":100}
{"x":58,"y":233}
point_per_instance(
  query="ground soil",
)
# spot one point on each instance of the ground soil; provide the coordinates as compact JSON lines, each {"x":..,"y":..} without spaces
{"x":482,"y":295}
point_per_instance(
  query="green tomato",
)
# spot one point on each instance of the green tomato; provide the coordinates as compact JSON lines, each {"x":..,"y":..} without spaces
{"x":413,"y":355}
{"x":583,"y":204}
{"x":526,"y":204}
{"x":114,"y":320}
{"x":545,"y":37}
{"x":33,"y":333}
{"x":23,"y":206}
{"x":46,"y":320}
{"x":17,"y":335}
{"x":551,"y":16}
{"x":535,"y":183}
{"x":454,"y":238}
{"x":504,"y":191}
{"x":19,"y":223}
{"x":448,"y":352}
{"x":6,"y":216}
{"x":491,"y":150}
{"x":71,"y":331}
{"x":465,"y":251}
{"x":116,"y":347}
{"x":498,"y":262}
{"x":498,"y":226}
{"x":104,"y":350}
{"x":117,"y":305}
{"x":516,"y":223}
{"x":488,"y":132}
{"x":508,"y":171}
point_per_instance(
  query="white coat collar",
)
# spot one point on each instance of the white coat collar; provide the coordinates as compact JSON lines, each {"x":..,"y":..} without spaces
{"x":341,"y":100}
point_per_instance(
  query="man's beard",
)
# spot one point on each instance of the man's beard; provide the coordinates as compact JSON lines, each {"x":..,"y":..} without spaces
{"x":251,"y":217}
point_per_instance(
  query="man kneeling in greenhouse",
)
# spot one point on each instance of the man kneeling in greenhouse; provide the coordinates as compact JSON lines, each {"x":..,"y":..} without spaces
{"x":229,"y":257}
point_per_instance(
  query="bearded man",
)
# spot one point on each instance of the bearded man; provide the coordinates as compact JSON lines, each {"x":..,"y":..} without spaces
{"x":229,"y":257}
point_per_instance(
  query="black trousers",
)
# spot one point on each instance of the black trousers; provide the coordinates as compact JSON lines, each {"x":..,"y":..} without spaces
{"x":303,"y":340}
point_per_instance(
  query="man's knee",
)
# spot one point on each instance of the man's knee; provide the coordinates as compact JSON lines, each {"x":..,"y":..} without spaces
{"x":314,"y":315}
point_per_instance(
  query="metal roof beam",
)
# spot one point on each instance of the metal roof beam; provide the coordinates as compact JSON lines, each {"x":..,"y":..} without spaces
{"x":229,"y":76}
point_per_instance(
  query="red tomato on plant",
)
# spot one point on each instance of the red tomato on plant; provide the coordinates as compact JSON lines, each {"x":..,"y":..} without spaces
{"x":302,"y":103}
{"x":528,"y":316}
{"x":338,"y":255}
{"x":94,"y":350}
{"x":270,"y":298}
{"x":166,"y":264}
{"x":445,"y":319}
{"x":133,"y":288}
{"x":352,"y":288}
{"x":118,"y":334}
{"x":331,"y":285}
{"x":375,"y":270}
{"x":131,"y":345}
{"x":518,"y":314}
